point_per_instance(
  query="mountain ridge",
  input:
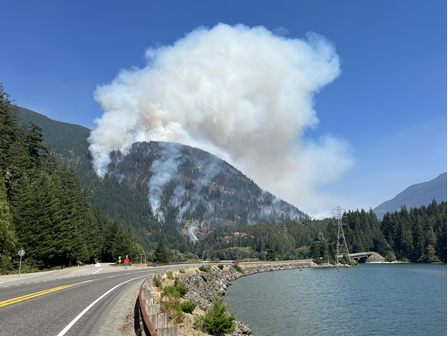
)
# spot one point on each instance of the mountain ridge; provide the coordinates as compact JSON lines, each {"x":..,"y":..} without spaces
{"x":416,"y":195}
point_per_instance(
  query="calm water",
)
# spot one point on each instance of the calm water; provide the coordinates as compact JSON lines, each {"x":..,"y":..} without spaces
{"x":373,"y":299}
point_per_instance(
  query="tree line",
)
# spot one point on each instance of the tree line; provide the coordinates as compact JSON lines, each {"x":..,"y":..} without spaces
{"x":416,"y":235}
{"x":43,"y":208}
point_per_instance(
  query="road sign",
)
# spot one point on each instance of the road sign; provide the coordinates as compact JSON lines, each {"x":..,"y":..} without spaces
{"x":126,"y":261}
{"x":119,"y":261}
{"x":126,"y":256}
{"x":20,"y":253}
{"x":119,"y":257}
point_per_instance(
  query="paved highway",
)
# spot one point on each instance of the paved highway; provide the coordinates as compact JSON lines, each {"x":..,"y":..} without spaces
{"x":74,"y":301}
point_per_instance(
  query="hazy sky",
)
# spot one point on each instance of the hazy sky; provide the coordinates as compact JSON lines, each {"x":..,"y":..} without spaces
{"x":387,"y":104}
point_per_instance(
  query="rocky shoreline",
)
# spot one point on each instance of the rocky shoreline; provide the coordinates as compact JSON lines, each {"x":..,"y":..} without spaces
{"x":205,"y":286}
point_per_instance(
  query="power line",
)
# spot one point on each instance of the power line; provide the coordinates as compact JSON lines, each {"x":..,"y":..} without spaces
{"x":340,"y":245}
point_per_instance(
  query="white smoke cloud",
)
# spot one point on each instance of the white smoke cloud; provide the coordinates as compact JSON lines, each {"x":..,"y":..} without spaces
{"x":163,"y":170}
{"x":243,"y":94}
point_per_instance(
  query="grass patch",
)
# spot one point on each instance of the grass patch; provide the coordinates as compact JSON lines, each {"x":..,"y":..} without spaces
{"x":238,"y":268}
{"x":205,"y":268}
{"x":169,"y":275}
{"x":220,"y":266}
{"x":172,"y":309}
{"x":182,"y":271}
{"x":157,"y":281}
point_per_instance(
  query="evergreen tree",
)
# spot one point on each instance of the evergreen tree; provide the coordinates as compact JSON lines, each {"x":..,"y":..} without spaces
{"x":390,"y":256}
{"x":123,"y":243}
{"x":7,"y":236}
{"x":270,"y":253}
{"x":91,"y":232}
{"x":109,"y":234}
{"x":315,"y":251}
{"x":161,"y":255}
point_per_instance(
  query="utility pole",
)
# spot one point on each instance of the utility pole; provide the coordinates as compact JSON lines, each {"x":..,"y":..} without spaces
{"x":341,"y":237}
{"x":203,"y":255}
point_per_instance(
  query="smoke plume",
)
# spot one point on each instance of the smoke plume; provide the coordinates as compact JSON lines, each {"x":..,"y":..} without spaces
{"x":244,"y":94}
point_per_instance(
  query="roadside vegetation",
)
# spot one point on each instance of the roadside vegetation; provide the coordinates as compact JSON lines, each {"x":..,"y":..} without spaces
{"x":170,"y":293}
{"x":216,"y":321}
{"x":43,"y":207}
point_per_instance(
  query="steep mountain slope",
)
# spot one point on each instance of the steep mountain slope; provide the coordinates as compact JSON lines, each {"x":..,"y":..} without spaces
{"x":166,"y":187}
{"x":65,"y":139}
{"x":197,"y":190}
{"x":415,"y":196}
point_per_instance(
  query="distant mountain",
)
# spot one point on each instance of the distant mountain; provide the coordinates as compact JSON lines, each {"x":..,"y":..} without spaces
{"x":415,"y":196}
{"x":65,"y":139}
{"x":177,"y":189}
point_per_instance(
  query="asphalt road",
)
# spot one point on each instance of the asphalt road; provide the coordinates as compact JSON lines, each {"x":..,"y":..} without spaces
{"x":75,"y":301}
{"x":87,"y":301}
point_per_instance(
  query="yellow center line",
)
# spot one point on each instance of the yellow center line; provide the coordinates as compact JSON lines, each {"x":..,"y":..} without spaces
{"x":109,"y":276}
{"x":88,"y":281}
{"x":26,"y":297}
{"x":127,"y":273}
{"x":75,"y":271}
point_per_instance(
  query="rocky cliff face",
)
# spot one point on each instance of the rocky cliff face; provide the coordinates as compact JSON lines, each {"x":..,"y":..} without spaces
{"x":197,"y":190}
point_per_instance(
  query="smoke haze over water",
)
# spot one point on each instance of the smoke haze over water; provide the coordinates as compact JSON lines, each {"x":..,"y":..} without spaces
{"x":244,"y":94}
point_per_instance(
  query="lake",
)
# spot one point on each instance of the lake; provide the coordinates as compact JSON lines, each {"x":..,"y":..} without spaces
{"x":372,"y":299}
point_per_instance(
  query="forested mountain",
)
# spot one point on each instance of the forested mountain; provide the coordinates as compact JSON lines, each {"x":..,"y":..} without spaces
{"x":165,"y":187}
{"x":194,"y":189}
{"x":43,"y":207}
{"x":417,"y":195}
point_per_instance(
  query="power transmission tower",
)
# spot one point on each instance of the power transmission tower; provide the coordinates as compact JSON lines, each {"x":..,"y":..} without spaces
{"x":341,"y":237}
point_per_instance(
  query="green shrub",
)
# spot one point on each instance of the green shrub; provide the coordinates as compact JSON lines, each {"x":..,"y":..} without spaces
{"x":177,"y":290}
{"x":188,"y":306}
{"x":182,"y":271}
{"x":220,"y":266}
{"x":169,"y":275}
{"x":238,"y":268}
{"x":170,"y":291}
{"x":216,"y":321}
{"x":181,"y":288}
{"x":157,"y":281}
{"x":205,"y":268}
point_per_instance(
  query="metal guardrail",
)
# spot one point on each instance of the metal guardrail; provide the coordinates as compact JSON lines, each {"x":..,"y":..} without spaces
{"x":147,"y":324}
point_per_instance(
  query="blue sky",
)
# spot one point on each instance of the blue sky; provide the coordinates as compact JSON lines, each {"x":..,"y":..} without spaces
{"x":389,"y":102}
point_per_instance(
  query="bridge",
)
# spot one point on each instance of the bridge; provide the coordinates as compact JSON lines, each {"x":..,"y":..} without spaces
{"x":358,"y":256}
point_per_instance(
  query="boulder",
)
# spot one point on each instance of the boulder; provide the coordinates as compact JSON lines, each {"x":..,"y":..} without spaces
{"x":375,"y":258}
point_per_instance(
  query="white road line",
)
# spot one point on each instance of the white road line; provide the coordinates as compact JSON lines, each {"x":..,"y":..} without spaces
{"x":68,"y":327}
{"x":97,"y":271}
